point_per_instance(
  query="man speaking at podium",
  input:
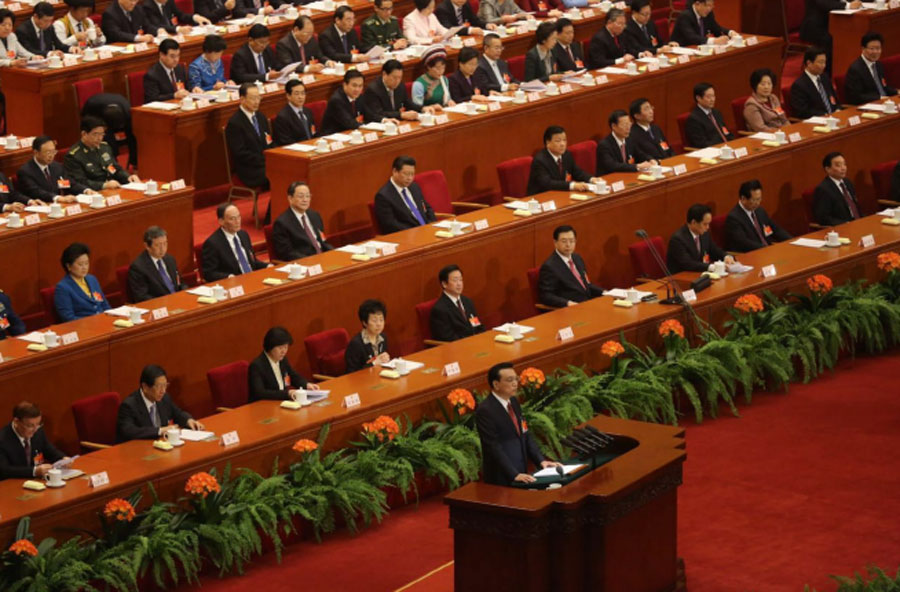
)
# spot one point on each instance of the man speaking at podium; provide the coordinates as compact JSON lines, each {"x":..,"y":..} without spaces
{"x":506,"y":443}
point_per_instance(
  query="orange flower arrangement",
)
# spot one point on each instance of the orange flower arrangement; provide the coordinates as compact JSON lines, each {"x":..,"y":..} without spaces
{"x":819,"y":283}
{"x":666,"y":328}
{"x":612,"y":349}
{"x":24,"y":547}
{"x":383,"y":427}
{"x":749,"y":303}
{"x":462,"y":400}
{"x":119,"y":509}
{"x":531,"y":377}
{"x":888,"y":261}
{"x":304,"y":445}
{"x":202,"y":484}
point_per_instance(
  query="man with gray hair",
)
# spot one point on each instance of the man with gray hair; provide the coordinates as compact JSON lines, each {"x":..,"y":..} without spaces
{"x":607,"y":46}
{"x":154,"y":273}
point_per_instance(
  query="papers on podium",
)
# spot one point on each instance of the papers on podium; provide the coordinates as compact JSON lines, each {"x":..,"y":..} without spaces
{"x":553,"y":472}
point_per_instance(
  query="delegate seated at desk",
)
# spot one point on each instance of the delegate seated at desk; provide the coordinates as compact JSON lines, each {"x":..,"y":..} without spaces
{"x":697,"y":25}
{"x":154,"y":273}
{"x":569,"y":52}
{"x":382,"y":28}
{"x":44,"y":180}
{"x":705,"y":125}
{"x":812,"y":93}
{"x":295,"y":122}
{"x":207,"y":71}
{"x":228,"y":252}
{"x":121,"y":23}
{"x":12,"y":53}
{"x":78,"y":294}
{"x":607,"y":46}
{"x":167,"y":79}
{"x":385,"y":98}
{"x":500,"y":12}
{"x":432,"y":89}
{"x":691,"y":247}
{"x":616,"y":153}
{"x":453,"y":315}
{"x":165,"y":15}
{"x":762,"y":110}
{"x":255,"y":61}
{"x":640,"y":35}
{"x":25,"y":450}
{"x":648,"y":138}
{"x":748,"y":227}
{"x":421,"y":26}
{"x":149,"y":412}
{"x":343,"y":111}
{"x":219,"y":10}
{"x":38,"y":36}
{"x":11,"y":200}
{"x":300,"y":45}
{"x":463,"y":83}
{"x":563,"y":279}
{"x":493,"y":72}
{"x":91,"y":161}
{"x":540,"y":61}
{"x":554,"y":168}
{"x":270,"y":375}
{"x":77,"y":28}
{"x":247,"y":135}
{"x":298,"y":232}
{"x":834,"y":199}
{"x":10,"y":323}
{"x":866,"y":80}
{"x":459,"y":13}
{"x":400,"y":204}
{"x":369,"y":346}
{"x":339,"y":42}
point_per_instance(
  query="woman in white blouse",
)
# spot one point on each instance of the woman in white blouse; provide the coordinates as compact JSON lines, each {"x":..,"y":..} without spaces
{"x":13,"y":54}
{"x":421,"y":26}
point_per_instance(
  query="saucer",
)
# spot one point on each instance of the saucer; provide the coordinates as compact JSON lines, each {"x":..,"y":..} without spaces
{"x":63,"y":484}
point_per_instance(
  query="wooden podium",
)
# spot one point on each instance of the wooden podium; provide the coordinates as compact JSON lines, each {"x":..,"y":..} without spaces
{"x":612,"y":530}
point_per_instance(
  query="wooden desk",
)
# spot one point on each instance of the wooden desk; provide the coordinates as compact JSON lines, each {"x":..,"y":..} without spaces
{"x":60,"y":9}
{"x":847,"y":30}
{"x":189,"y":145}
{"x":757,"y":17}
{"x":514,"y":130}
{"x":114,"y":234}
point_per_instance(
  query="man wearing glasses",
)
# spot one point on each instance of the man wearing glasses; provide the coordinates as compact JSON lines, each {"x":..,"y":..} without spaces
{"x":493,"y":72}
{"x":44,"y":179}
{"x":25,"y":451}
{"x":382,"y":29}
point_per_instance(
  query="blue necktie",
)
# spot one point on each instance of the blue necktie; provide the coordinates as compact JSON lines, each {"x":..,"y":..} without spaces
{"x":412,"y":207}
{"x":824,"y":96}
{"x":878,"y":85}
{"x":344,"y":43}
{"x":154,"y":418}
{"x":260,"y":64}
{"x":242,"y":258}
{"x":165,"y":276}
{"x":255,"y":124}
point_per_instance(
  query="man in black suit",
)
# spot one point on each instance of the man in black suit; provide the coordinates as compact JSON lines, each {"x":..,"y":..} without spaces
{"x":607,"y":46}
{"x":149,"y":412}
{"x":301,"y":46}
{"x":163,"y":14}
{"x":865,"y":80}
{"x":253,"y":7}
{"x":11,"y":324}
{"x":453,"y":315}
{"x":123,"y":24}
{"x":36,"y":34}
{"x":568,"y":51}
{"x":748,"y":227}
{"x":814,"y":28}
{"x":697,"y":25}
{"x":647,"y":137}
{"x":298,"y":232}
{"x":154,"y":273}
{"x":458,"y":13}
{"x":343,"y":111}
{"x":10,"y":199}
{"x":563,"y":279}
{"x":554,"y":168}
{"x":339,"y":41}
{"x":25,"y":451}
{"x":227,"y":252}
{"x":705,"y":126}
{"x":506,"y":443}
{"x":616,"y":152}
{"x":834,"y":199}
{"x":640,"y":35}
{"x":812,"y":93}
{"x":270,"y":375}
{"x":493,"y":72}
{"x":386,"y":98}
{"x":399,"y":204}
{"x":166,"y":79}
{"x":294,"y":123}
{"x":691,"y":248}
{"x":219,"y":10}
{"x":254,"y":61}
{"x":44,"y":179}
{"x":247,"y":134}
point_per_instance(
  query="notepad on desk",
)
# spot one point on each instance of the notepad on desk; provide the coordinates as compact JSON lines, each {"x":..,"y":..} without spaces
{"x":809,"y":242}
{"x":201,"y":291}
{"x":196,"y":435}
{"x":300,"y":147}
{"x":554,"y":471}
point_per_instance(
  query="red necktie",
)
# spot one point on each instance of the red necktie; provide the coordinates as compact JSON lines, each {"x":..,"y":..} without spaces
{"x":624,"y":154}
{"x":310,"y":234}
{"x":850,"y":203}
{"x":172,"y":76}
{"x":574,"y":271}
{"x":47,"y":174}
{"x":512,"y":416}
{"x":461,"y":308}
{"x":559,"y":162}
{"x":759,"y":231}
{"x":571,"y":55}
{"x":715,"y":123}
{"x":697,"y":244}
{"x":302,"y":53}
{"x":616,"y":39}
{"x":29,"y":461}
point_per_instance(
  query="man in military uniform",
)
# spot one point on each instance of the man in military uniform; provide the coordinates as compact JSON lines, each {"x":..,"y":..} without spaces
{"x":10,"y":323}
{"x":92,"y":162}
{"x":382,"y":29}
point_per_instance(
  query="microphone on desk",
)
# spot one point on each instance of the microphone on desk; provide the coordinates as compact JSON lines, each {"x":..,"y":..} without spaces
{"x":671,"y":286}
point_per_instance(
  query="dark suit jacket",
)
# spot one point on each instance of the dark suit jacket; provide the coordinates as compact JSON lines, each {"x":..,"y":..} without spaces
{"x":687,"y":28}
{"x":557,"y":286}
{"x":158,"y":86}
{"x":446,"y":15}
{"x":13,"y":464}
{"x":144,"y":280}
{"x":118,"y":28}
{"x":11,"y":195}
{"x":682,"y":253}
{"x":545,"y":175}
{"x":287,"y":51}
{"x":392,"y":213}
{"x":262,"y":383}
{"x":34,"y":184}
{"x":215,"y":10}
{"x":603,"y":50}
{"x":244,"y":67}
{"x":247,"y":7}
{"x":376,"y":101}
{"x":448,"y":324}
{"x":331,"y":45}
{"x":741,"y":236}
{"x":895,"y":184}
{"x":218,"y":257}
{"x":535,"y":68}
{"x":829,"y":206}
{"x":246,"y":147}
{"x":288,"y":127}
{"x":134,"y":423}
{"x":28,"y":39}
{"x":72,"y":303}
{"x":358,"y":354}
{"x":155,"y":19}
{"x":340,"y":113}
{"x":505,"y":452}
{"x":609,"y":156}
{"x":564,"y":63}
{"x":814,"y":28}
{"x":461,"y":90}
{"x":485,"y":78}
{"x":16,"y":326}
{"x":859,"y":85}
{"x":656,"y":147}
{"x":290,"y":242}
{"x":637,"y":42}
{"x":700,"y":132}
{"x":805,"y":99}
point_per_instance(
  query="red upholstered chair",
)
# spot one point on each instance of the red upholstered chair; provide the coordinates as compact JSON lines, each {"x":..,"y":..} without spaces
{"x":317,"y":108}
{"x":408,"y":86}
{"x":226,"y":65}
{"x":85,"y":89}
{"x":267,"y":232}
{"x":662,"y":29}
{"x":792,"y":13}
{"x":228,"y":385}
{"x":236,"y":187}
{"x":786,"y":102}
{"x":808,"y":208}
{"x":325,"y":351}
{"x":423,"y":314}
{"x":585,"y":155}
{"x":642,"y":260}
{"x":892,"y":70}
{"x":95,"y":420}
{"x":533,"y":274}
{"x":122,"y":278}
{"x":374,"y":218}
{"x":96,"y":18}
{"x":840,"y":80}
{"x":198,"y":257}
{"x":475,"y":4}
{"x":185,"y":6}
{"x":517,"y":67}
{"x":47,"y":300}
{"x":717,"y":230}
{"x":437,"y":193}
{"x":134,"y":85}
{"x":881,"y":180}
{"x":682,"y":120}
{"x":513,"y":175}
{"x":737,"y":108}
